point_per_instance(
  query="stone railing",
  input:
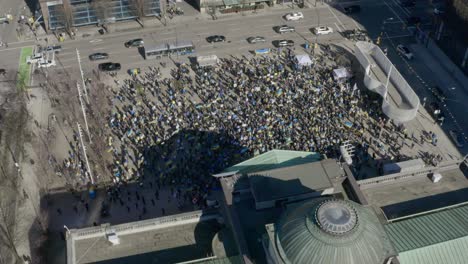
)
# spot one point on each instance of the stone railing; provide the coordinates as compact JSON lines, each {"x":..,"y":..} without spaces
{"x":140,"y":226}
{"x":403,"y":176}
{"x":367,"y":53}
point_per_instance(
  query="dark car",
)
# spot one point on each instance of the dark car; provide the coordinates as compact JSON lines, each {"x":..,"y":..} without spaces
{"x":99,"y":56}
{"x":413,"y":20}
{"x":408,"y":3}
{"x":216,"y":38}
{"x":134,"y":43}
{"x":54,"y":48}
{"x":283,"y":43}
{"x":439,"y":94}
{"x":352,"y":9}
{"x":109,"y":66}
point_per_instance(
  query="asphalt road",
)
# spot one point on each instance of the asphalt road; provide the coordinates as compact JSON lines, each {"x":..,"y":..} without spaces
{"x":236,"y":31}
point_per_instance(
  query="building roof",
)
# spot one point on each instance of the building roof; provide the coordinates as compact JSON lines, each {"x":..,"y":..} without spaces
{"x":453,"y":252}
{"x":168,"y":239}
{"x":274,"y":159}
{"x":417,"y":194}
{"x":430,"y":229}
{"x":226,"y":260}
{"x":295,"y":180}
{"x":327,"y":230}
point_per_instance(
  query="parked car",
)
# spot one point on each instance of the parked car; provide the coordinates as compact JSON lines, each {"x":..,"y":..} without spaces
{"x":408,"y":3}
{"x":35,"y":57}
{"x":45,"y":63}
{"x":352,"y":9}
{"x":109,"y":66}
{"x":294,"y":16}
{"x":458,"y":138}
{"x":323,"y":30}
{"x":98,"y":56}
{"x":257,"y":39}
{"x":134,"y":43}
{"x":216,"y":38}
{"x":404,"y":51}
{"x":439,"y":94}
{"x":285,"y":29}
{"x":4,"y":20}
{"x":412,"y":20}
{"x":283,"y":43}
{"x":53,"y":48}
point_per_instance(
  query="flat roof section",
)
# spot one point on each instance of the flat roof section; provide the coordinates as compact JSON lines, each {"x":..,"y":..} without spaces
{"x":295,"y":180}
{"x":419,"y":194}
{"x":171,"y":239}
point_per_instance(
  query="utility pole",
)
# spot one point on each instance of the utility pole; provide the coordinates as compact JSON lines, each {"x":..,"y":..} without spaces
{"x":85,"y":154}
{"x":84,"y":111}
{"x":82,"y":77}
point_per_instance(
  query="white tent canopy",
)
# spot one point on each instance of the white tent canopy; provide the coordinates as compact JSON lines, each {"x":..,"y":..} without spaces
{"x":342,"y":74}
{"x":209,"y":60}
{"x":303,"y":60}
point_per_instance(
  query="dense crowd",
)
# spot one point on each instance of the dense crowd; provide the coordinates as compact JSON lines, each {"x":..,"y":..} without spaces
{"x":201,"y":120}
{"x":175,"y":132}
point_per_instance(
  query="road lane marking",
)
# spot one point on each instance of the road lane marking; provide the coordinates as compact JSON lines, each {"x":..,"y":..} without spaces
{"x":393,"y":11}
{"x":66,"y":53}
{"x":398,"y":36}
{"x":24,"y":41}
{"x":339,"y":21}
{"x":13,"y":48}
{"x":355,"y":23}
{"x":405,"y":10}
{"x":68,"y":59}
{"x":339,"y":30}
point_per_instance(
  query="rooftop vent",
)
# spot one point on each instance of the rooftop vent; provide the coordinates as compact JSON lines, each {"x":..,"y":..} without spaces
{"x":113,"y":238}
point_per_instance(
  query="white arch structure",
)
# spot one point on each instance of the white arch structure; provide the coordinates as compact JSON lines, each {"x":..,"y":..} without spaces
{"x":400,"y":103}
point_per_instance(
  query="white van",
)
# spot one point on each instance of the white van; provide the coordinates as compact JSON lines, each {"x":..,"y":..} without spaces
{"x":323,"y":30}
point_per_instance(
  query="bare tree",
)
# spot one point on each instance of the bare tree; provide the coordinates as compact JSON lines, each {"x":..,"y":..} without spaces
{"x":66,"y":18}
{"x":9,"y":232}
{"x":138,"y":8}
{"x":101,"y":7}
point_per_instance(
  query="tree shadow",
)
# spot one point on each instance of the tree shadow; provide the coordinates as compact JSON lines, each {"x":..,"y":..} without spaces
{"x":183,"y":164}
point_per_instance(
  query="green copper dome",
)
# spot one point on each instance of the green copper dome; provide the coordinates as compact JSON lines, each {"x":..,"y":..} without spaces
{"x":327,"y":230}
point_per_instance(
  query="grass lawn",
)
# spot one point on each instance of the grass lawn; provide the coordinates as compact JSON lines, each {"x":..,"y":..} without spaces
{"x":24,"y":69}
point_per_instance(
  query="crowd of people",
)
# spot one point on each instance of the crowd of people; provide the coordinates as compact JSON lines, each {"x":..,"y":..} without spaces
{"x":199,"y":121}
{"x":175,"y":132}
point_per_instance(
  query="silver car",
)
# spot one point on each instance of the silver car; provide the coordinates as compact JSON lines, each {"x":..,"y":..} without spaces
{"x":257,"y":39}
{"x":285,"y":29}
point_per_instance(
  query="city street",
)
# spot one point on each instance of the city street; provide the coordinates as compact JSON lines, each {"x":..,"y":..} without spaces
{"x":384,"y":18}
